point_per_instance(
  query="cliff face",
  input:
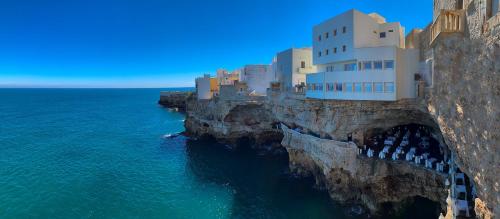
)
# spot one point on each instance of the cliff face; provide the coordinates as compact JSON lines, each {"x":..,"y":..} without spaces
{"x":175,"y":100}
{"x":336,"y":119}
{"x":465,"y":103}
{"x":350,"y":178}
{"x":232,"y":121}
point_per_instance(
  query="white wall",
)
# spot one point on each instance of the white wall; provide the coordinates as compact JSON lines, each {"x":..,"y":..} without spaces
{"x":288,"y":63}
{"x":203,"y":88}
{"x":258,"y":78}
{"x":338,"y":22}
{"x":407,"y":66}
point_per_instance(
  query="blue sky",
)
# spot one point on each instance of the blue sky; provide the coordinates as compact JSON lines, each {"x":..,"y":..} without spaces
{"x":161,"y":43}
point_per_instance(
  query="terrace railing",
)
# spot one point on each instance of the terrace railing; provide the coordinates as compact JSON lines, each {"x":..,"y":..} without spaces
{"x":448,"y":21}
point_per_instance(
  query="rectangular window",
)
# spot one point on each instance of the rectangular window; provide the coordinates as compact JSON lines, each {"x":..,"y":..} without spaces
{"x":390,"y":31}
{"x":303,"y":64}
{"x":344,"y":48}
{"x":344,"y":29}
{"x":348,"y":87}
{"x":329,"y":68}
{"x":319,"y":38}
{"x":327,"y":52}
{"x":319,"y":53}
{"x":350,"y":67}
{"x":330,"y":87}
{"x":389,"y":64}
{"x":379,"y":87}
{"x":319,"y":87}
{"x":358,"y":87}
{"x":367,"y":65}
{"x":389,"y":87}
{"x":338,"y":87}
{"x":327,"y":35}
{"x":335,"y":32}
{"x":368,"y":87}
{"x":377,"y":65}
{"x":335,"y":50}
{"x":382,"y":34}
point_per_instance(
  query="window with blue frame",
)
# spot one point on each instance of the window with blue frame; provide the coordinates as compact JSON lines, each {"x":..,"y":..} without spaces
{"x":338,"y":87}
{"x":377,"y":65}
{"x":379,"y":87}
{"x":348,"y":87}
{"x":389,"y":64}
{"x":368,"y":87}
{"x":350,"y":67}
{"x":367,"y":65}
{"x":358,"y":87}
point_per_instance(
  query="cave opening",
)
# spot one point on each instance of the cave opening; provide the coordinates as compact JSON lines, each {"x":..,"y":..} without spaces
{"x":411,"y":142}
{"x":423,"y":146}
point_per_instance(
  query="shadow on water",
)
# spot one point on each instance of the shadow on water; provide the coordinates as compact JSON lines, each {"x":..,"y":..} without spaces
{"x":263,"y":187}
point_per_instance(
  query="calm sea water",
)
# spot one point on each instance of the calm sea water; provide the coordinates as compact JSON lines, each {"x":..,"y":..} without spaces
{"x":100,"y":153}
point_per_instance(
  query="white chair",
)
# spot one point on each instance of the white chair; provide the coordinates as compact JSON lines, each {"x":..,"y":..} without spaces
{"x":395,"y":156}
{"x":381,"y":155}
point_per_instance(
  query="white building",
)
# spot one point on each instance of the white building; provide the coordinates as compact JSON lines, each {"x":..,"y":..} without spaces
{"x":292,"y":66}
{"x":206,"y":87}
{"x":361,"y":57}
{"x":258,"y":78}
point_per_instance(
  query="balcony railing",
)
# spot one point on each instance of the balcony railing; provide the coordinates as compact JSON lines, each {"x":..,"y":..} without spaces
{"x":448,"y":21}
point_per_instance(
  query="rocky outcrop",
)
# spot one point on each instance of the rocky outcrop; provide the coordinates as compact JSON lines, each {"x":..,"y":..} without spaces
{"x":235,"y":122}
{"x":174,"y":99}
{"x":350,"y":178}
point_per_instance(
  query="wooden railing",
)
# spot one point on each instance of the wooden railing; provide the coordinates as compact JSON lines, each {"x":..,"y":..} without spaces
{"x":448,"y":21}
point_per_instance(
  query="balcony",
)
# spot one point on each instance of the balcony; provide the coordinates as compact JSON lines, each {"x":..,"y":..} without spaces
{"x":448,"y":21}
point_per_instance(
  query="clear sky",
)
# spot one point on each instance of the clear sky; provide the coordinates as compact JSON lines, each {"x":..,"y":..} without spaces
{"x":162,"y":43}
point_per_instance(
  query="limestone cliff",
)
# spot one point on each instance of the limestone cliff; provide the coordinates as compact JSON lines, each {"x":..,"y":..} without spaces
{"x":232,"y":121}
{"x":175,"y":100}
{"x":465,"y":101}
{"x":350,"y":178}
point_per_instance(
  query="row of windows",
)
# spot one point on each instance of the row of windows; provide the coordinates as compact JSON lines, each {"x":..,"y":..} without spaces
{"x":365,"y":66}
{"x":327,"y":34}
{"x":327,"y":51}
{"x":358,"y":87}
{"x":376,"y":65}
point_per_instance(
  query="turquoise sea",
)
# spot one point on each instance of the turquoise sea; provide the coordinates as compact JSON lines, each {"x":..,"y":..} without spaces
{"x":101,"y":153}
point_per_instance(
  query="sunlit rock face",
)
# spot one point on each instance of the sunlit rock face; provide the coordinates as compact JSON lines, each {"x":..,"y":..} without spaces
{"x":465,"y":100}
{"x":465,"y":103}
{"x":232,"y":121}
{"x":336,"y":119}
